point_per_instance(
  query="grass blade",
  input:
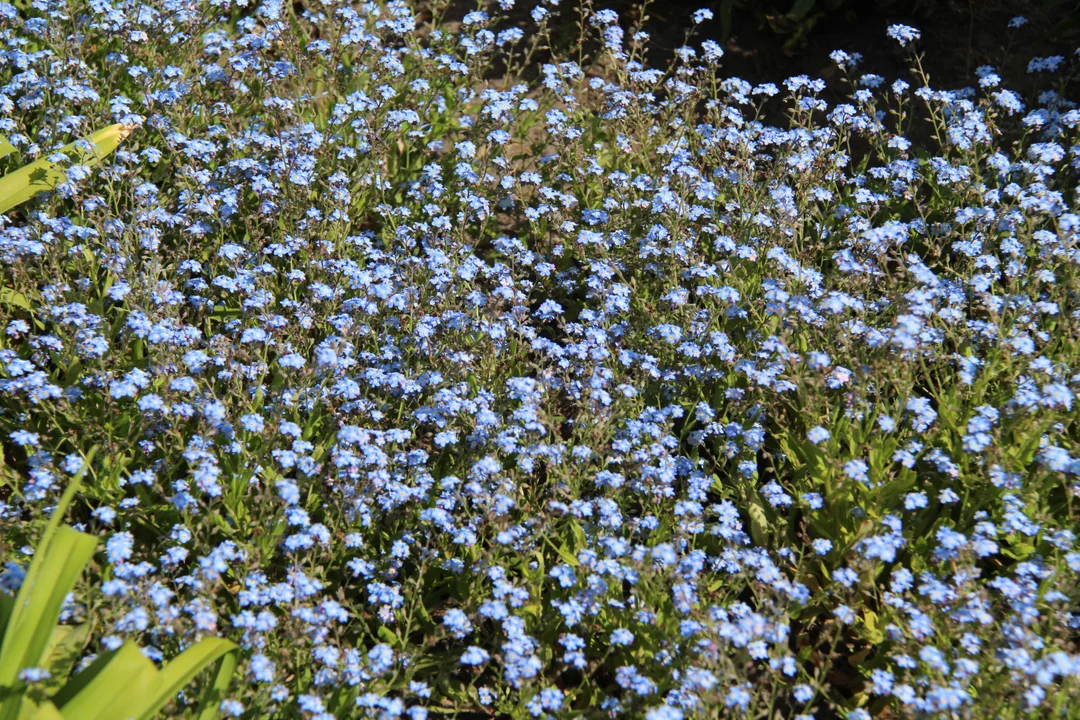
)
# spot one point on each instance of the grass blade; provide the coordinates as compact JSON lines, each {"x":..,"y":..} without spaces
{"x":63,"y":651}
{"x":114,"y":687}
{"x":7,"y":604}
{"x":183,"y":669}
{"x":19,"y":186}
{"x":45,"y":711}
{"x":38,"y":604}
{"x":61,"y":555}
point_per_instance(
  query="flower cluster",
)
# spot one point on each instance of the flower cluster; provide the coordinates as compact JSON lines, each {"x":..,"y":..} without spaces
{"x":445,"y":386}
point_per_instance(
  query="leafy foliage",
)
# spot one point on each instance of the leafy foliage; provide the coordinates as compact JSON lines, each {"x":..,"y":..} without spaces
{"x":444,"y":373}
{"x":37,"y":656}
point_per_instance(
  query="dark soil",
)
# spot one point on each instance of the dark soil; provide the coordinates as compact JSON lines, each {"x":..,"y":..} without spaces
{"x":957,"y":37}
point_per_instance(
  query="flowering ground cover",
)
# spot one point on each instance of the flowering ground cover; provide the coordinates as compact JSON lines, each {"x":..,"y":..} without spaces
{"x":582,"y":393}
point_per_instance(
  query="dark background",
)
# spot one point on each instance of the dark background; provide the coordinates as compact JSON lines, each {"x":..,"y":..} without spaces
{"x":769,"y":40}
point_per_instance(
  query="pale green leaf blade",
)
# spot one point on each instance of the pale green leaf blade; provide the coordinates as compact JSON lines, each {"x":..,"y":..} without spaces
{"x":759,"y":523}
{"x":182,"y":670}
{"x":16,"y":299}
{"x":58,"y":561}
{"x":7,"y":604}
{"x":48,"y":711}
{"x":38,"y":604}
{"x":19,"y":186}
{"x":215,"y":693}
{"x":44,"y":711}
{"x":114,"y":687}
{"x":6,"y":148}
{"x":62,"y":652}
{"x":103,"y":143}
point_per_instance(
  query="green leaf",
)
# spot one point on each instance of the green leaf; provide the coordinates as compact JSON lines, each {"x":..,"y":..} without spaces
{"x":759,"y":522}
{"x":6,"y":148}
{"x":44,"y":711}
{"x":19,"y":186}
{"x":579,"y":535}
{"x":14,"y":299}
{"x":65,"y":646}
{"x":61,"y":507}
{"x":726,"y":6}
{"x":387,"y":635}
{"x":872,"y":624}
{"x":116,"y":686}
{"x":59,"y":559}
{"x":7,"y":604}
{"x":800,"y":9}
{"x":568,"y":556}
{"x":182,"y":670}
{"x":52,"y":574}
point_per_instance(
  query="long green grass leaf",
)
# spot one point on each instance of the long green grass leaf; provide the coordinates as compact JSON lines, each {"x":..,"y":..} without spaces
{"x":19,"y":186}
{"x":6,"y":148}
{"x":15,"y":299}
{"x":116,"y":686}
{"x":223,"y":671}
{"x":38,"y":605}
{"x":45,"y":711}
{"x":59,"y":559}
{"x":7,"y":604}
{"x":182,"y":670}
{"x":62,"y":652}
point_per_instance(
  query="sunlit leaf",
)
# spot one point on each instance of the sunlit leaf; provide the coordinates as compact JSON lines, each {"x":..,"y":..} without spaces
{"x":42,"y":175}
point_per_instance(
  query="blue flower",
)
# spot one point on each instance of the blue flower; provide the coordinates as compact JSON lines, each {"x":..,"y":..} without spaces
{"x":857,"y":470}
{"x":474,"y":655}
{"x":457,"y":623}
{"x":903,"y":34}
{"x":119,"y":547}
{"x":25,"y":438}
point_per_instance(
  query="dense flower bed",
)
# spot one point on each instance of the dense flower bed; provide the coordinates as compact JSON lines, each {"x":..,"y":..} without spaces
{"x":445,"y":386}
